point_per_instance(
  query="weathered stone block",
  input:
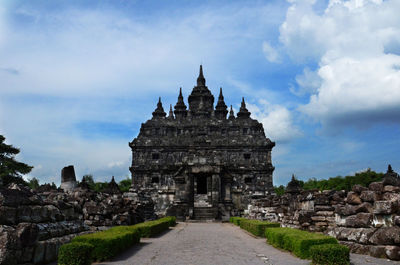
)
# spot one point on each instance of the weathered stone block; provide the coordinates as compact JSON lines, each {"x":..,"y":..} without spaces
{"x":51,"y":250}
{"x":385,"y":207}
{"x":358,"y":189}
{"x":386,"y":236}
{"x":24,"y":213}
{"x":393,"y":252}
{"x":320,"y":224}
{"x":376,"y":186}
{"x":325,"y":213}
{"x":382,"y":220}
{"x":27,"y":234}
{"x":8,"y":215}
{"x":38,"y":255}
{"x":369,"y":196}
{"x":353,"y":198}
{"x":318,"y":218}
{"x":377,"y":251}
{"x":359,"y":220}
{"x":396,"y":220}
{"x":36,"y":214}
{"x":324,"y":208}
{"x":390,"y":188}
{"x":391,"y":196}
{"x":321,"y":199}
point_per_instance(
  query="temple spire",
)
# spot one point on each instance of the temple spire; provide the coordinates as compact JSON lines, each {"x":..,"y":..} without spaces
{"x":221,"y":108}
{"x":243,"y":112}
{"x":159,"y":111}
{"x":201,"y":81}
{"x":231,"y":114}
{"x":180,"y":107}
{"x":171,"y":113}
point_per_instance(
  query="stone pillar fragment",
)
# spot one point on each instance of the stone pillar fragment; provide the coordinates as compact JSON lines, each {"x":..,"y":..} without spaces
{"x":68,"y":179}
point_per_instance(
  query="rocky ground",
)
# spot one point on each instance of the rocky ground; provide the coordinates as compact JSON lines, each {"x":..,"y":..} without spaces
{"x":215,"y":243}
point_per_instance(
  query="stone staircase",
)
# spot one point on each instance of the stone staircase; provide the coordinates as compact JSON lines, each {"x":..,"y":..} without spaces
{"x":205,"y":213}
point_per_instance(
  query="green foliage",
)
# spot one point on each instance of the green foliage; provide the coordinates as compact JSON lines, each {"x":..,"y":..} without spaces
{"x":100,"y":186}
{"x":296,"y":241}
{"x":125,"y":184}
{"x":33,"y":183}
{"x":344,"y":183}
{"x":109,"y":243}
{"x":75,"y":254}
{"x":280,"y":190}
{"x":236,"y":220}
{"x":256,"y":227}
{"x":11,"y":171}
{"x":153,"y":228}
{"x":330,"y":254}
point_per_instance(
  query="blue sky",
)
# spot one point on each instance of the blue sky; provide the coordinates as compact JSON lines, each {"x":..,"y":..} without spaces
{"x":79,"y":77}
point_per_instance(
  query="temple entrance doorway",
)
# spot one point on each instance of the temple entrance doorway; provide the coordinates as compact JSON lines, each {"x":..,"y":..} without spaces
{"x":202,"y":190}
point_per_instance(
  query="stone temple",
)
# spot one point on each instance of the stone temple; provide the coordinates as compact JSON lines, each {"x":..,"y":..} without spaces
{"x":199,"y":163}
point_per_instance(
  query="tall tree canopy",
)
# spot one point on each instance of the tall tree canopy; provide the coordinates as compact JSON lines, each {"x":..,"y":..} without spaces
{"x":10,"y":169}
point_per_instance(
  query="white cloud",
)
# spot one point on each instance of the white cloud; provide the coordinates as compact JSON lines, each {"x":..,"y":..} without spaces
{"x":271,"y":53}
{"x":356,"y":43}
{"x":308,"y":82}
{"x":276,"y":119}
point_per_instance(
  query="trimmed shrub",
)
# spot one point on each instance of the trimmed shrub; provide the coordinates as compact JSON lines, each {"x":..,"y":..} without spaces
{"x":330,"y":254}
{"x":171,"y":220}
{"x":109,"y":243}
{"x":296,"y":241}
{"x":153,"y":228}
{"x":236,"y":220}
{"x":75,"y":254}
{"x":256,"y":227}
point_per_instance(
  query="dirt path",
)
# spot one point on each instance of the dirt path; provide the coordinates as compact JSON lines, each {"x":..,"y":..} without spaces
{"x":214,"y":243}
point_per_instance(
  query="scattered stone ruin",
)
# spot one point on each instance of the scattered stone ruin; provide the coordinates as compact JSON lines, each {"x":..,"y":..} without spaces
{"x":365,"y":219}
{"x":34,"y":224}
{"x":199,"y":163}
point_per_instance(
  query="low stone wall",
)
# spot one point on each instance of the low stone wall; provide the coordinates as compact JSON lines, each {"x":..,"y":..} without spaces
{"x":34,"y":225}
{"x":365,"y":219}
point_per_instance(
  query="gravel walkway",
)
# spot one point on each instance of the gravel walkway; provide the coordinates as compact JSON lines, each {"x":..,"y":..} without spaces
{"x":214,"y":243}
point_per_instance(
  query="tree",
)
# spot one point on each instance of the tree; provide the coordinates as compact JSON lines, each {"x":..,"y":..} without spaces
{"x":125,"y":184}
{"x":88,"y":178}
{"x":33,"y":183}
{"x":10,"y":169}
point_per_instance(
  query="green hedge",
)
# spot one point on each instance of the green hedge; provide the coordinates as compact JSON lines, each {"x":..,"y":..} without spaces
{"x":171,"y":220}
{"x":330,"y":254}
{"x":236,"y":220}
{"x":75,"y":254}
{"x":109,"y":243}
{"x":256,"y":227}
{"x":296,"y":241}
{"x":153,"y":228}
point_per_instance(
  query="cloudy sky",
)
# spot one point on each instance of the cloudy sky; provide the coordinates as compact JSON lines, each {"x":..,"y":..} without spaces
{"x":79,"y":77}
